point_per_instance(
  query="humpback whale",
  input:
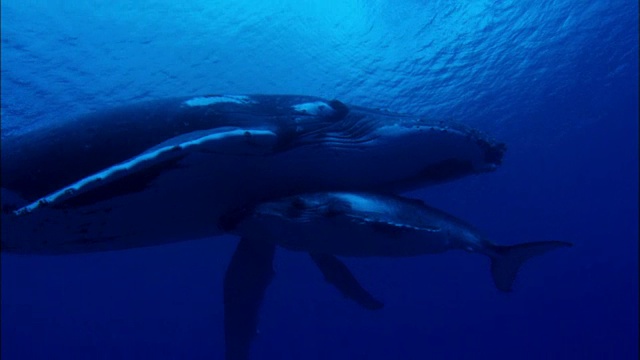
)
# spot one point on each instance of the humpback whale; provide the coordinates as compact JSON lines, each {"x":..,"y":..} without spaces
{"x":162,"y":171}
{"x":364,"y":224}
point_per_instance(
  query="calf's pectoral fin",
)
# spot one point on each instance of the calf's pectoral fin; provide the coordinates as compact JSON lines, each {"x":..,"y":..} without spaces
{"x":246,"y":280}
{"x":339,"y":275}
{"x":507,"y":260}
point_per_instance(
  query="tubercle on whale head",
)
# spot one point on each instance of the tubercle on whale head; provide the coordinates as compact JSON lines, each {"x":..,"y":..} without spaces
{"x":493,"y":152}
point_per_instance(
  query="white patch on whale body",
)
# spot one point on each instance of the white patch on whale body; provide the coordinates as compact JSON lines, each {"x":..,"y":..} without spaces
{"x":261,"y":138}
{"x":314,"y":108}
{"x":210,"y":100}
{"x":363,"y":204}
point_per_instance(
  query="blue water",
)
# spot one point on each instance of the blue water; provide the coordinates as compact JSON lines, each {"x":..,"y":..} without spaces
{"x":556,"y":80}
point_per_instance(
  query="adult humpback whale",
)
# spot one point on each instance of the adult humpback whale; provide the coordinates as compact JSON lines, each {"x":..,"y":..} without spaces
{"x":166,"y":170}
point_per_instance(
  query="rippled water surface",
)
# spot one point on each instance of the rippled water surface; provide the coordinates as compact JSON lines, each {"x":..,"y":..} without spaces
{"x":556,"y":80}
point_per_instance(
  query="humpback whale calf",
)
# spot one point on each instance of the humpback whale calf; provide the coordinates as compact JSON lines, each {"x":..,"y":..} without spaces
{"x":162,"y":171}
{"x":364,"y":224}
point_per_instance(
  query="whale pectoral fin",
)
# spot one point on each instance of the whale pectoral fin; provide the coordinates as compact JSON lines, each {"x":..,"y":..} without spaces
{"x":507,"y":260}
{"x":337,"y":274}
{"x":233,"y":141}
{"x":138,"y":172}
{"x":246,"y":280}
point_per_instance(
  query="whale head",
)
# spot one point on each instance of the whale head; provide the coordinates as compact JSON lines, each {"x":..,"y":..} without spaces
{"x":359,"y":146}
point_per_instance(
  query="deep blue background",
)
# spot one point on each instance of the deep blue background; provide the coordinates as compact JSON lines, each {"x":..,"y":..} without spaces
{"x":556,"y":80}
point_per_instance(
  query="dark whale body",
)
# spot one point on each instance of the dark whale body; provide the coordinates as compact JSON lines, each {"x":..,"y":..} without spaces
{"x":166,"y":170}
{"x":226,"y":151}
{"x":364,"y":224}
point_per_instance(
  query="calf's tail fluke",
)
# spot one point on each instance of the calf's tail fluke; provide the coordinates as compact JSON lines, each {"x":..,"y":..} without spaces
{"x":507,"y":260}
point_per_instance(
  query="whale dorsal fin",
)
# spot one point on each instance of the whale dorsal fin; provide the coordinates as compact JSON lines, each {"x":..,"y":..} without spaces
{"x":340,"y":109}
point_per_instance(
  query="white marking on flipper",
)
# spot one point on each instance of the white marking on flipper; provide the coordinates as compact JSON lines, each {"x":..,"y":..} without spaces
{"x":256,"y":139}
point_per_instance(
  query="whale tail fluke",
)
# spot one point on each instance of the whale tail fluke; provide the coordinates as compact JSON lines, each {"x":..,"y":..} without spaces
{"x":507,"y":260}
